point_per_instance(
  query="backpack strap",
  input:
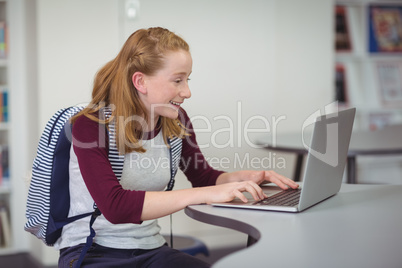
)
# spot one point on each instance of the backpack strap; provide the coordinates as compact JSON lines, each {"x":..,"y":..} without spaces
{"x":116,"y":160}
{"x":90,"y":238}
{"x":175,"y":146}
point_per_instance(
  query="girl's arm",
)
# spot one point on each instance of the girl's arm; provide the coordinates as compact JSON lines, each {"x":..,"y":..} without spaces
{"x":159,"y":204}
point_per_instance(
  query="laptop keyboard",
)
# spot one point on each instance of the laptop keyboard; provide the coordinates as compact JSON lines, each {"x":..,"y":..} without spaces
{"x":289,"y":197}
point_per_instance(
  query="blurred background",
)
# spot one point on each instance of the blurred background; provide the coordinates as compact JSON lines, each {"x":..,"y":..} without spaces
{"x":259,"y":66}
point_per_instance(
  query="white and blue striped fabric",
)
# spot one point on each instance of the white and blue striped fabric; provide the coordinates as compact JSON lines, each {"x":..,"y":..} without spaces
{"x":175,"y":156}
{"x":116,"y":160}
{"x":38,"y":210}
{"x":48,"y":196}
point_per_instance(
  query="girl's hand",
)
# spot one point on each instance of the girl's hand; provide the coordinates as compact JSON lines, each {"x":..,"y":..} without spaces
{"x":258,"y":177}
{"x":272,"y":176}
{"x":229,"y":191}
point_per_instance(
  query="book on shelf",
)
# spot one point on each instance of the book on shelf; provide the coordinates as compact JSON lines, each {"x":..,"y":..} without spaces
{"x":341,"y":94}
{"x":3,"y":39}
{"x":385,"y":28}
{"x":389,"y":75}
{"x":4,"y":166}
{"x":342,"y":34}
{"x":3,"y":105}
{"x":5,"y":227}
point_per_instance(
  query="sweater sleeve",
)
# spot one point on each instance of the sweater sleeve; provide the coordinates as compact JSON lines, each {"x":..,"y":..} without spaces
{"x":90,"y":144}
{"x":193,"y":163}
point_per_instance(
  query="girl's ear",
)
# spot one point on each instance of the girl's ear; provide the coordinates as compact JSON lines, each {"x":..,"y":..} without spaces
{"x":138,"y":80}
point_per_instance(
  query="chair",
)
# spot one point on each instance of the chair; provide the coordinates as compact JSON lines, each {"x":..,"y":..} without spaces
{"x":188,"y":244}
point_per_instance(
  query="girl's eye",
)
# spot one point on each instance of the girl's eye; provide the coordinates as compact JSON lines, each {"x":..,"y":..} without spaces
{"x":181,"y":80}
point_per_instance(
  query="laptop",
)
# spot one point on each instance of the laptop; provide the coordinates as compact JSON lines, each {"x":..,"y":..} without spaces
{"x":323,"y":173}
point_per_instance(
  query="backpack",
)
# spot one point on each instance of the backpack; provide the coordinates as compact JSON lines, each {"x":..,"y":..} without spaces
{"x":48,"y":201}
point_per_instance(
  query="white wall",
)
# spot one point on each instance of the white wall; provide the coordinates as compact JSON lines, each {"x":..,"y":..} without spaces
{"x":304,"y":62}
{"x":74,"y":39}
{"x":251,"y":58}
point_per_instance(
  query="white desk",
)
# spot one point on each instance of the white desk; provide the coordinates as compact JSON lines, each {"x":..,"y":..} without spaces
{"x":361,"y":226}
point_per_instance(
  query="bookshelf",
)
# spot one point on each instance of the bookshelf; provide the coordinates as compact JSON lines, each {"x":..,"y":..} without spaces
{"x":369,"y":76}
{"x":5,"y":189}
{"x":367,"y":85}
{"x":17,"y":80}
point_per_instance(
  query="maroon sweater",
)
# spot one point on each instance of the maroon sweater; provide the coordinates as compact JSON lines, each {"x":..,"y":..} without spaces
{"x":114,"y":202}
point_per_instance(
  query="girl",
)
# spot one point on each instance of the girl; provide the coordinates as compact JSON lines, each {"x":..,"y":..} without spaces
{"x":143,"y":89}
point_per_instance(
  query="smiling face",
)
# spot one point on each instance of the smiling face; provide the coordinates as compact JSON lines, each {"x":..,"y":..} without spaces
{"x":163,"y":92}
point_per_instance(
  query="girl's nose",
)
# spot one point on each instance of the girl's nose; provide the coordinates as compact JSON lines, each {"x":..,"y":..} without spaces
{"x":185,"y":93}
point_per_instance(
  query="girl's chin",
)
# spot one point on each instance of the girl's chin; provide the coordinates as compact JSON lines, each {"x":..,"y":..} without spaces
{"x":172,"y":114}
{"x":168,"y":112}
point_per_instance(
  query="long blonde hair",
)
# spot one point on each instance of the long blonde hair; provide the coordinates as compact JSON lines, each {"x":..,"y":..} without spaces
{"x":144,"y":52}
